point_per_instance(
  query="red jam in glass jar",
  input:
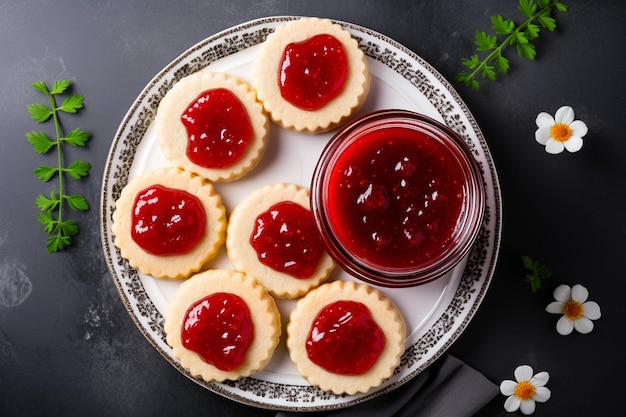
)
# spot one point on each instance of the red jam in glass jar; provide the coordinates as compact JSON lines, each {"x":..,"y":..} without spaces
{"x":398,"y":198}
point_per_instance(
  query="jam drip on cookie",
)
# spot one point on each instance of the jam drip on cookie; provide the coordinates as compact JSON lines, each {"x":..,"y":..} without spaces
{"x":285,"y":239}
{"x":219,"y":329}
{"x":218,"y":129}
{"x":344,"y":338}
{"x":312,"y":72}
{"x":167,"y":221}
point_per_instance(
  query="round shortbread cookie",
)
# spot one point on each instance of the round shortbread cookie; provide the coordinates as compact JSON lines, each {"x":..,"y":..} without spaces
{"x":263,"y":312}
{"x":170,"y":266}
{"x":243,"y":256}
{"x":340,"y":108}
{"x":173,"y":136}
{"x":383,"y":312}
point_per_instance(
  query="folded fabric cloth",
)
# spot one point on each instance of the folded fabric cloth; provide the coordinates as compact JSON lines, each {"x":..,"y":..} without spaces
{"x":447,"y":388}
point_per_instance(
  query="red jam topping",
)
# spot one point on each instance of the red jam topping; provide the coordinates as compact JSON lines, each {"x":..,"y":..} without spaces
{"x":344,"y":339}
{"x":285,"y":239}
{"x":395,"y":195}
{"x":219,"y":329}
{"x":167,"y":221}
{"x":218,"y":129}
{"x":312,"y":72}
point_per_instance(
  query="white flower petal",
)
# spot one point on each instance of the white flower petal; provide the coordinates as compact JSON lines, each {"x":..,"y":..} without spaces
{"x":562,"y":293}
{"x":553,"y":147}
{"x":542,"y":394}
{"x":507,"y":387}
{"x":565,"y":115}
{"x":579,"y":128}
{"x":527,"y":407}
{"x":523,"y":373}
{"x":591,"y":310}
{"x":512,"y":404}
{"x":541,"y":379}
{"x":573,"y":144}
{"x":564,"y":326}
{"x":544,"y":120}
{"x":555,"y":307}
{"x":579,"y":293}
{"x":542,"y":135}
{"x":583,"y":325}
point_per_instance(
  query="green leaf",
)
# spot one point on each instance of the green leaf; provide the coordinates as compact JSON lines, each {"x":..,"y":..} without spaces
{"x":527,"y":7}
{"x":57,"y":243}
{"x":467,"y":79}
{"x":547,"y":22}
{"x":501,"y":63}
{"x":78,"y":169}
{"x":41,"y":86}
{"x":526,"y":50}
{"x":77,"y":202}
{"x":39,"y":112}
{"x":543,"y":3}
{"x":72,"y":103}
{"x":48,"y":222}
{"x":472,"y":62}
{"x":40,"y":141}
{"x":532,"y":31}
{"x":45,"y":173}
{"x":502,"y":26}
{"x":560,"y":7}
{"x":538,"y":272}
{"x":488,"y":72}
{"x":527,"y":261}
{"x":518,"y":38}
{"x":44,"y":203}
{"x":59,"y":87}
{"x":68,"y":228}
{"x":485,"y":42}
{"x":76,"y":137}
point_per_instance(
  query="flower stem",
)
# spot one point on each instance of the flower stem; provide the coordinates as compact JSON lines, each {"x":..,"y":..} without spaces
{"x":57,"y":129}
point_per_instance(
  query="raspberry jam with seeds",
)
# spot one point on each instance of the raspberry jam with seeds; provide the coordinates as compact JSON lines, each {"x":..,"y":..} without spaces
{"x":398,"y":198}
{"x":285,"y":239}
{"x":344,"y":338}
{"x":167,"y":221}
{"x":218,"y":129}
{"x":313,"y":72}
{"x":393,"y":203}
{"x":219,"y":329}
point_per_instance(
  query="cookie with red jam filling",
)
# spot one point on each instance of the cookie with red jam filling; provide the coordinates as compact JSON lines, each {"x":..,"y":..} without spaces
{"x":311,"y":75}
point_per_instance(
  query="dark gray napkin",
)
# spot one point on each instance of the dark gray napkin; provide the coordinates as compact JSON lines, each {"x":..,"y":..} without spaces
{"x":447,"y":388}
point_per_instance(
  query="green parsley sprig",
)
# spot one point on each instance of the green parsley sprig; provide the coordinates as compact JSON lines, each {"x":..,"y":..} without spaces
{"x":60,"y":228}
{"x":537,"y":272}
{"x":537,"y":12}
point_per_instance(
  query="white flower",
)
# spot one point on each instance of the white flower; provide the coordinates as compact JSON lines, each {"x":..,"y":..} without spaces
{"x":525,"y":390}
{"x":561,"y":131}
{"x":577,"y":311}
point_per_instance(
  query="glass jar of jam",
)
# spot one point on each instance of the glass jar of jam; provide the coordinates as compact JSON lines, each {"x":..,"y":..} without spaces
{"x":398,"y":198}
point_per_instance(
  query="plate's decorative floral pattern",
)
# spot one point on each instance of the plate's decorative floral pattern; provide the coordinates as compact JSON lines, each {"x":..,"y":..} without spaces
{"x":472,"y":285}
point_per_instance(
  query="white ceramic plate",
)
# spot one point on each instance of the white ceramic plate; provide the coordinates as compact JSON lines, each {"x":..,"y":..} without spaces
{"x":436,"y":313}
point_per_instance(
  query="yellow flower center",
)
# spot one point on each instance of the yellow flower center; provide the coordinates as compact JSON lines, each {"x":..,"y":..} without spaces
{"x":525,"y":390}
{"x":560,"y":132}
{"x":573,"y":310}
